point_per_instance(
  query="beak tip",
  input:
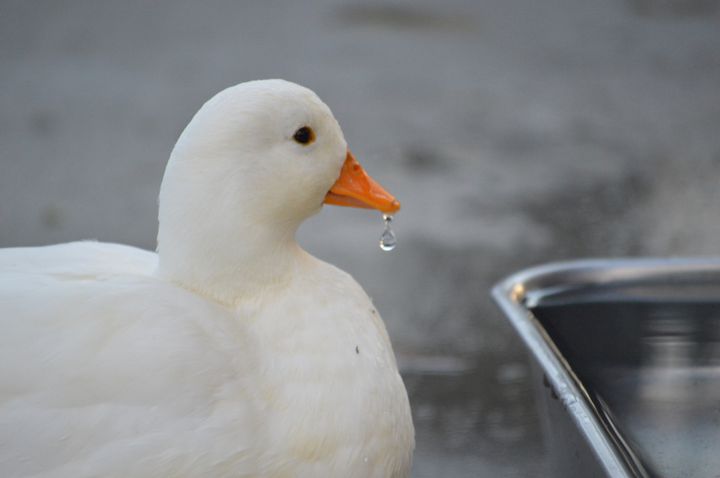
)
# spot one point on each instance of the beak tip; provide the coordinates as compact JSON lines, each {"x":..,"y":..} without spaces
{"x":394,"y":206}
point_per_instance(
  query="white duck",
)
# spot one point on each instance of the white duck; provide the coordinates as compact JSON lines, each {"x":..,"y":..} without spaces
{"x":231,"y":352}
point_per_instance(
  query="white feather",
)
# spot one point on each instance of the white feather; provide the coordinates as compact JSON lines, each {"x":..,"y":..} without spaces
{"x":231,"y":353}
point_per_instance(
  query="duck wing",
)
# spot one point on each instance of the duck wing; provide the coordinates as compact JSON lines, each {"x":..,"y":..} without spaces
{"x":105,"y":370}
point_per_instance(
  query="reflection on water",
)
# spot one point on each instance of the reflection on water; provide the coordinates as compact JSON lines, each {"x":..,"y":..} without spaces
{"x":472,"y":418}
{"x":653,"y":366}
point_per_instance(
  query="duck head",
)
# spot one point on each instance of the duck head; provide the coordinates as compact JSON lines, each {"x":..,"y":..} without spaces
{"x":254,"y":162}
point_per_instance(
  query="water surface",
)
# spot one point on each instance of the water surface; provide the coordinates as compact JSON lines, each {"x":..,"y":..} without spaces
{"x":650,"y":360}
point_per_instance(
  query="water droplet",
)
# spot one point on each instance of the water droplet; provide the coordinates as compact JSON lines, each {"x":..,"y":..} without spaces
{"x":388,"y":241}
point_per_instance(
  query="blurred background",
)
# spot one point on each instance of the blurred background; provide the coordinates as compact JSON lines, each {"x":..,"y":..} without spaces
{"x":515,"y":132}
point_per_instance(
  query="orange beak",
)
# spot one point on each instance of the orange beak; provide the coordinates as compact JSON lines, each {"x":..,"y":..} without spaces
{"x":355,"y":188}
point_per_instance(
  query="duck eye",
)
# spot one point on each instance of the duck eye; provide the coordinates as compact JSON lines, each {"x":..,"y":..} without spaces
{"x":304,"y":135}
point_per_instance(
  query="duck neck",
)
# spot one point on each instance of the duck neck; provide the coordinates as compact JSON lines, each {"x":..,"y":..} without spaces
{"x":230,"y":269}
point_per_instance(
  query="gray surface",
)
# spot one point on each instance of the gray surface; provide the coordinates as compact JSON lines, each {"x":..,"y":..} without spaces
{"x":515,"y":132}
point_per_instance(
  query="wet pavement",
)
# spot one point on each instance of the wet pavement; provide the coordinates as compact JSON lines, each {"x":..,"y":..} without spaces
{"x":474,"y":417}
{"x":514,"y":132}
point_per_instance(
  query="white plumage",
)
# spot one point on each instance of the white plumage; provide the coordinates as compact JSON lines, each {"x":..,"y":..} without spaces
{"x":231,"y":352}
